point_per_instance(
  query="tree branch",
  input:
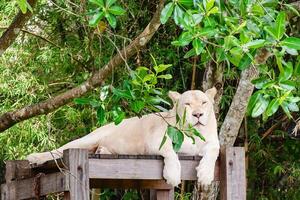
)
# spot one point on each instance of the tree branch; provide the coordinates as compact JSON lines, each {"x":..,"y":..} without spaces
{"x":10,"y":118}
{"x":9,"y":36}
{"x":235,"y":115}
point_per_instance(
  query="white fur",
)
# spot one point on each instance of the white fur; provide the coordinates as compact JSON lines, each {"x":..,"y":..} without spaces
{"x":144,"y":135}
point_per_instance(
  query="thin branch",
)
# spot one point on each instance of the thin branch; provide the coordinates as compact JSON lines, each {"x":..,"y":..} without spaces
{"x":10,"y":35}
{"x":8,"y":119}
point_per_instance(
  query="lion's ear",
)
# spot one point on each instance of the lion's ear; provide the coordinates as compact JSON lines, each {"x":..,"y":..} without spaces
{"x":211,"y":93}
{"x":174,"y":96}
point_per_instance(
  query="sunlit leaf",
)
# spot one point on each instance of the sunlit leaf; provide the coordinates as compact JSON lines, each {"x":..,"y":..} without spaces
{"x":260,"y":107}
{"x":291,"y":42}
{"x":166,"y":12}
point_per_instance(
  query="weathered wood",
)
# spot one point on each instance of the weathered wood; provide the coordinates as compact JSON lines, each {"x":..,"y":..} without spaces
{"x":148,"y":169}
{"x":77,"y":179}
{"x":26,"y":188}
{"x":17,"y":169}
{"x":165,"y":195}
{"x":233,"y":174}
{"x":122,"y":171}
{"x":125,"y":184}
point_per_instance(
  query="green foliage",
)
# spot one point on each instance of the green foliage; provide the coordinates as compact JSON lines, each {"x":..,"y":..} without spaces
{"x":134,"y":95}
{"x":24,"y":5}
{"x":232,"y":34}
{"x":107,"y":9}
{"x":208,"y":25}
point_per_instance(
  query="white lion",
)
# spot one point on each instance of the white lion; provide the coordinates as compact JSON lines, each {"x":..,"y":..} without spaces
{"x":144,"y":135}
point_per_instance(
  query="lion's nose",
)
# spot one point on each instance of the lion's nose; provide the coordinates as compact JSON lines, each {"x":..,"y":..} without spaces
{"x":197,"y":114}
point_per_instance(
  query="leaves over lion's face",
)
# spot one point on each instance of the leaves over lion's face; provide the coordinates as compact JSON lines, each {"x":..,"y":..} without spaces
{"x":197,"y":106}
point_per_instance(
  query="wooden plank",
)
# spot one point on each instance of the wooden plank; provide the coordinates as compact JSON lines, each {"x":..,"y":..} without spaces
{"x":125,"y":184}
{"x":233,"y":174}
{"x":17,"y":169}
{"x":26,"y":188}
{"x":164,"y":195}
{"x":76,"y":161}
{"x":140,"y":169}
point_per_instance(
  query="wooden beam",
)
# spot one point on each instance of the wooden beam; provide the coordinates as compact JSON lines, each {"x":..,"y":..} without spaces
{"x":147,"y":169}
{"x":77,"y":178}
{"x":17,"y":169}
{"x":233,"y":174}
{"x":27,"y":188}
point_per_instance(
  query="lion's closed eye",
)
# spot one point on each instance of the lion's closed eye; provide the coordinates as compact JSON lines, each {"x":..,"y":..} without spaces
{"x":204,"y":102}
{"x":187,"y":104}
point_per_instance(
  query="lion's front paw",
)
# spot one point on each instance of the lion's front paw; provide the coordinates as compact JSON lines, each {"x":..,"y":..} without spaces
{"x":205,"y":174}
{"x":172,"y":176}
{"x":37,"y":158}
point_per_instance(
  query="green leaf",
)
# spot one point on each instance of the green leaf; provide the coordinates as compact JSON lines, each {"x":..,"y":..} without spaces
{"x":287,"y":84}
{"x":104,"y":92}
{"x":252,"y":102}
{"x":280,"y":25}
{"x":293,"y":99}
{"x":258,"y":10}
{"x":255,"y":44}
{"x":122,"y":93}
{"x":99,"y":3}
{"x":22,"y":5}
{"x":198,"y":46}
{"x":96,"y":19}
{"x":165,"y":76}
{"x":118,"y":115}
{"x":117,"y":10}
{"x":109,"y":3}
{"x":161,"y":68}
{"x":187,"y":3}
{"x":178,"y":15}
{"x":293,"y":107}
{"x":101,"y":115}
{"x":271,"y":31}
{"x":198,"y":134}
{"x":286,"y":72}
{"x":209,"y":4}
{"x":163,"y":141}
{"x":291,"y":42}
{"x":285,"y":108}
{"x":207,"y":32}
{"x":184,"y":39}
{"x":82,"y":101}
{"x":246,"y":60}
{"x":260,"y":107}
{"x":190,"y":53}
{"x":176,"y":137}
{"x":293,"y":9}
{"x":214,"y":10}
{"x":166,"y":12}
{"x":260,"y":82}
{"x":137,"y":106}
{"x":111,"y":20}
{"x":272,"y":107}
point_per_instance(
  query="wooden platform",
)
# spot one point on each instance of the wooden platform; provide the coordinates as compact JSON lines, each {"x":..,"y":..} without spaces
{"x":77,"y":172}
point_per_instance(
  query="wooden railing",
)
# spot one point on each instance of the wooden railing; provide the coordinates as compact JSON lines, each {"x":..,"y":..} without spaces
{"x":78,"y":172}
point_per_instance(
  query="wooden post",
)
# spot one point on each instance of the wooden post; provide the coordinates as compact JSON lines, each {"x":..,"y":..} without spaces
{"x":165,"y":194}
{"x":77,"y":174}
{"x":233,"y":174}
{"x":15,"y":170}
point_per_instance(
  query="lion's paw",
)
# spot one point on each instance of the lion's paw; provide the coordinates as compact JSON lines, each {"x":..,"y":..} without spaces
{"x":205,"y":174}
{"x":172,"y":176}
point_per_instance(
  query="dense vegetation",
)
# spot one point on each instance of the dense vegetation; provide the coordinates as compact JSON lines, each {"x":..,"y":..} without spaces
{"x":200,"y":44}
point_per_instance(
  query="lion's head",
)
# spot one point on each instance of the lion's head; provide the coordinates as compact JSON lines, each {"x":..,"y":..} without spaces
{"x":197,"y":105}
